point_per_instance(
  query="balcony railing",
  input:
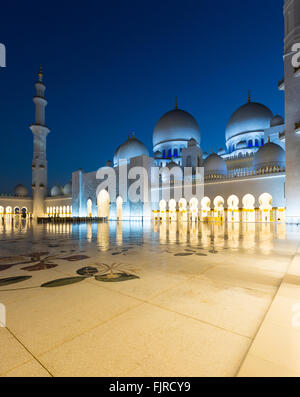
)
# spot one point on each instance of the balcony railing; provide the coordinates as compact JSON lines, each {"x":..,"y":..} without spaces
{"x":235,"y":174}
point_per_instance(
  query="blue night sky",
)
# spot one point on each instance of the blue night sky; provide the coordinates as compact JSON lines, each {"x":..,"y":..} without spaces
{"x":113,"y":66}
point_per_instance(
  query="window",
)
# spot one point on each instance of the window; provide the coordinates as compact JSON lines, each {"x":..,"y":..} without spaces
{"x":170,"y":153}
{"x":164,"y":153}
{"x":250,"y":143}
{"x":256,"y":143}
{"x":175,"y":152}
{"x":262,"y":141}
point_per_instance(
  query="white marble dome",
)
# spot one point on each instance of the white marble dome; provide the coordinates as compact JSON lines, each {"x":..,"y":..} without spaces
{"x":251,"y":117}
{"x":214,"y":164}
{"x":56,"y":190}
{"x":68,"y":189}
{"x":176,"y":125}
{"x":129,"y":149}
{"x":276,"y":121}
{"x":21,"y":190}
{"x":269,"y":155}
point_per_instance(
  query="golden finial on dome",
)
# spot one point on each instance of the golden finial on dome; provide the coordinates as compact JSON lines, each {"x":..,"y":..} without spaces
{"x":249,"y":96}
{"x":213,"y":151}
{"x":133,"y":134}
{"x":176,"y":103}
{"x":40,"y":74}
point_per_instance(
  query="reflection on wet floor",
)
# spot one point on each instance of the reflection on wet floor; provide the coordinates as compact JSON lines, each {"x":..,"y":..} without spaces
{"x":252,"y":237}
{"x":196,"y":292}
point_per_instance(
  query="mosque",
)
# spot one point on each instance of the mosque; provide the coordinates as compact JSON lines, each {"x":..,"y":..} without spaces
{"x":255,"y":178}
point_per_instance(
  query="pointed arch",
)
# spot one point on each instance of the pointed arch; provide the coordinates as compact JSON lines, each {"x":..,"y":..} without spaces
{"x":103,"y":201}
{"x":89,"y":208}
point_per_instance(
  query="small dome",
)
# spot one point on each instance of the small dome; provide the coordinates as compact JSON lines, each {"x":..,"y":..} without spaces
{"x":269,"y":155}
{"x":214,"y":164}
{"x":276,"y":121}
{"x":176,"y":125}
{"x":129,"y":149}
{"x":192,"y":142}
{"x":172,"y":164}
{"x":251,"y":117}
{"x":57,"y":190}
{"x":68,"y":189}
{"x":21,"y":190}
{"x":221,"y":151}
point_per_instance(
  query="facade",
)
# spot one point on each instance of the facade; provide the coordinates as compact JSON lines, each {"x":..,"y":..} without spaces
{"x":256,"y":178}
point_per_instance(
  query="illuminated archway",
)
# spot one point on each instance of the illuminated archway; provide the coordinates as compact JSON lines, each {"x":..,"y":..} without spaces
{"x":8,"y":210}
{"x":248,"y":208}
{"x":205,"y":208}
{"x":119,"y":205}
{"x":194,"y":209}
{"x":182,"y":209}
{"x":162,"y":209}
{"x":103,"y":201}
{"x":265,"y":207}
{"x":219,"y":208}
{"x":89,"y":208}
{"x":17,"y":211}
{"x":1,"y":210}
{"x":172,"y":210}
{"x":233,"y":214}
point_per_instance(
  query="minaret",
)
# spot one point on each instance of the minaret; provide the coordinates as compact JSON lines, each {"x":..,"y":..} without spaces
{"x":39,"y":162}
{"x":292,"y":111}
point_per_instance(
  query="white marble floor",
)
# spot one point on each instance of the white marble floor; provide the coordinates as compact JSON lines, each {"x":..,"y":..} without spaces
{"x":132,"y":299}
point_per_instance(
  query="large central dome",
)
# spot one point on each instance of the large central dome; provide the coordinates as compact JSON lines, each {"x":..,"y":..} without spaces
{"x":251,"y":117}
{"x":176,"y":125}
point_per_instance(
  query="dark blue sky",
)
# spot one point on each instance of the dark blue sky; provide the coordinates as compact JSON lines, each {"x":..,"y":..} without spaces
{"x":111,"y":66}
